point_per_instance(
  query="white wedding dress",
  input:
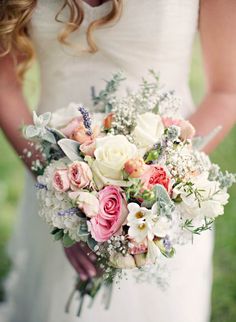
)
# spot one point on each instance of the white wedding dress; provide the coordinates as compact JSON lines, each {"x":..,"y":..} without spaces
{"x":155,"y":34}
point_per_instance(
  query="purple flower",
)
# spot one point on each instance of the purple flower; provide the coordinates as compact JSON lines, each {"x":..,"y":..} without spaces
{"x":86,"y":119}
{"x":68,"y":212}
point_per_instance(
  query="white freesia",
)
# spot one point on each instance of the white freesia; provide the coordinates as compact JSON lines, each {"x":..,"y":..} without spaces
{"x":65,"y":115}
{"x":148,"y":130}
{"x":137,"y":222}
{"x":146,"y":223}
{"x":111,"y":154}
{"x":160,"y":225}
{"x":206,"y":200}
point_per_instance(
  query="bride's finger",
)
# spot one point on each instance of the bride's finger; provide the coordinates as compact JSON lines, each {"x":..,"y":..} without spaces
{"x":88,"y":252}
{"x":87,"y":264}
{"x":72,"y":256}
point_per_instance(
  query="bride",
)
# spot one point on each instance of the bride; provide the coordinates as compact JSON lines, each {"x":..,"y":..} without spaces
{"x":79,"y":44}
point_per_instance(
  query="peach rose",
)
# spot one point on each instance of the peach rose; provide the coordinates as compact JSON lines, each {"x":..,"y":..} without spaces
{"x":80,"y":133}
{"x":79,"y":174}
{"x":60,"y":180}
{"x":135,"y":167}
{"x":156,"y":174}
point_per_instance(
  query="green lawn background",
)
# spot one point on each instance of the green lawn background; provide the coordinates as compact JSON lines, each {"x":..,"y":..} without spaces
{"x":224,"y":289}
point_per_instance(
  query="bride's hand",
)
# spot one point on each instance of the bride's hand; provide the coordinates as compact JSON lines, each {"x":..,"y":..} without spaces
{"x":83,"y":260}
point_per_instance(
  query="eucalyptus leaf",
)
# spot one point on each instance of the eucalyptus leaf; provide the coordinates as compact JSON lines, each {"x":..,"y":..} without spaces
{"x":57,"y":134}
{"x":45,"y":118}
{"x":49,"y":137}
{"x":35,"y":118}
{"x":67,"y":241}
{"x":70,"y":148}
{"x":91,"y":243}
{"x":199,"y":142}
{"x":83,"y":229}
{"x":164,"y":203}
{"x":31,"y":131}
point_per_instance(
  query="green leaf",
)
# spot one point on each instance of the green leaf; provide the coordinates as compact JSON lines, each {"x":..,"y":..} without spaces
{"x":59,"y":235}
{"x":55,"y":230}
{"x":91,"y":243}
{"x":67,"y":241}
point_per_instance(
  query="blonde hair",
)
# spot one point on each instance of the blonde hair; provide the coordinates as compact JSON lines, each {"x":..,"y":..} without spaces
{"x":15,"y":16}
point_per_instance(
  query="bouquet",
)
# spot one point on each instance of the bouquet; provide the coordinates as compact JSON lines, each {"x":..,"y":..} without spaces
{"x":130,"y":181}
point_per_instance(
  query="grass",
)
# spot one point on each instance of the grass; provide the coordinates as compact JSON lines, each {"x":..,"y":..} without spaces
{"x":224,"y":288}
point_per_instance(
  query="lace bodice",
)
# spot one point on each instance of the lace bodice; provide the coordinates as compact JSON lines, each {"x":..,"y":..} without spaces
{"x":151,"y":34}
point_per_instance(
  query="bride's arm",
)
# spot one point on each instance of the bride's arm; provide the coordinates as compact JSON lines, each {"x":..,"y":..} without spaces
{"x":13,"y":113}
{"x":218,"y":39}
{"x":13,"y":109}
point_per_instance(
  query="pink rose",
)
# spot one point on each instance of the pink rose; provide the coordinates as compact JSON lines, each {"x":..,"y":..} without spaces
{"x":61,"y":181}
{"x":86,"y":201}
{"x":187,"y":131}
{"x":155,"y":174}
{"x":80,"y":175}
{"x":111,"y":216}
{"x":168,"y":121}
{"x":135,"y":167}
{"x":88,"y":148}
{"x":70,"y":128}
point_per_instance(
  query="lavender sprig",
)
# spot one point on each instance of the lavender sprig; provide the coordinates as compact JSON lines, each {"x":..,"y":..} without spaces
{"x":40,"y":186}
{"x":68,"y":212}
{"x":86,"y":119}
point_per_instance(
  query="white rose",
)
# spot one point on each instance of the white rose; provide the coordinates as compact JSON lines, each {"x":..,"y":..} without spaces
{"x":111,"y":154}
{"x":148,"y":130}
{"x":208,"y":201}
{"x":63,"y":116}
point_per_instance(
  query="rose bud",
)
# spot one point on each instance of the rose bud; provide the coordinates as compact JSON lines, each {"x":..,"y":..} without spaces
{"x":108,"y":121}
{"x":135,"y":167}
{"x":140,"y":260}
{"x":118,"y":260}
{"x":187,"y":131}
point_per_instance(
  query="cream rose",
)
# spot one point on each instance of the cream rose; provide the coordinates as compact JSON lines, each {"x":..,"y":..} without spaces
{"x":111,"y":154}
{"x":86,"y":201}
{"x":148,"y":130}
